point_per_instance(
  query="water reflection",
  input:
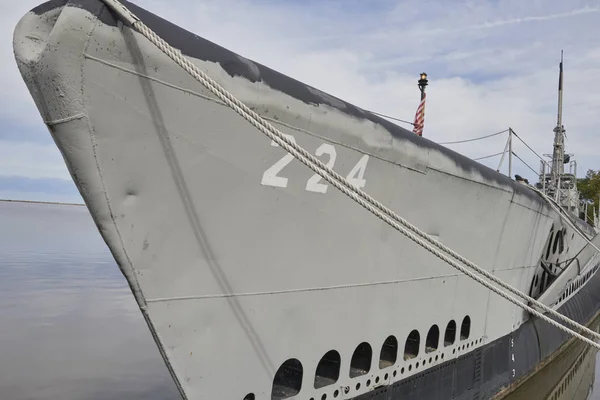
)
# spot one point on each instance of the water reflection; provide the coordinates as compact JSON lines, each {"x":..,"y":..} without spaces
{"x":71,"y":329}
{"x":571,"y":375}
{"x":578,"y":382}
{"x":68,"y":322}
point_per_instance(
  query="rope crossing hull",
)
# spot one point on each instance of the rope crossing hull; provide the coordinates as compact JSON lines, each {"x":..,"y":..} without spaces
{"x":257,"y":278}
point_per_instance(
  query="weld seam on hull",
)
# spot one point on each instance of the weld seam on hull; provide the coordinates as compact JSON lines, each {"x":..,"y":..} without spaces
{"x":314,"y":289}
{"x":66,"y":119}
{"x":130,"y":71}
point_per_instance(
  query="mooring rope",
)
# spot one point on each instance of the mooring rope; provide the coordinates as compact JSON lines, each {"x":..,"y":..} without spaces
{"x":339,"y":182}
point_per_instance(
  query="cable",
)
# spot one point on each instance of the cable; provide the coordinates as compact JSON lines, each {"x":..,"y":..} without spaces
{"x":490,"y":156}
{"x":533,"y":151}
{"x":394,"y":118}
{"x":478,"y":138}
{"x":527,"y":165}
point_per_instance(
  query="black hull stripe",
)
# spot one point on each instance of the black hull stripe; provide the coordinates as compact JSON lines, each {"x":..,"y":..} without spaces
{"x":484,"y":372}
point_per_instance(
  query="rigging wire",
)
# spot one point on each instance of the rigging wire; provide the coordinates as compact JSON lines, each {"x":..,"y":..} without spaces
{"x":490,"y":156}
{"x":394,"y":118}
{"x":527,"y":165}
{"x":533,"y":151}
{"x":497,"y":154}
{"x":474,"y":139}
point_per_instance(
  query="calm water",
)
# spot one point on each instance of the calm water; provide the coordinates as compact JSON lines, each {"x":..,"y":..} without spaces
{"x":70,"y":329}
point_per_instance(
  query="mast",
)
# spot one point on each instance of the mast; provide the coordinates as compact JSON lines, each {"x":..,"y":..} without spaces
{"x":556,"y":183}
{"x":558,"y":154}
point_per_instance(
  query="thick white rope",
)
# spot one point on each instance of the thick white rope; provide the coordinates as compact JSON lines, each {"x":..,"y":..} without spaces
{"x":343,"y":185}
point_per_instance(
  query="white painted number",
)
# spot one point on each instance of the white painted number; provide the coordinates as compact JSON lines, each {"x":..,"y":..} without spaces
{"x":356,"y":176}
{"x":270,"y":177}
{"x":313,"y":184}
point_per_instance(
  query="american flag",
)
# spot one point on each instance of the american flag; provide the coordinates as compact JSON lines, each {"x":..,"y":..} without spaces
{"x":420,"y":117}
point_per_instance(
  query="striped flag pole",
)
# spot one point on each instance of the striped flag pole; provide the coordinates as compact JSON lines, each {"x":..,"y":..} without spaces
{"x":420,"y":114}
{"x":420,"y":117}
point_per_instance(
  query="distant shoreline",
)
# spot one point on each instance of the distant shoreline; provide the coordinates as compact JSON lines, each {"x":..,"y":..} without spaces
{"x":40,"y":202}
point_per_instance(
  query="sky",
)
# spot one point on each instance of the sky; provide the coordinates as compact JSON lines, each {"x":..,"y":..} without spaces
{"x":492,"y":64}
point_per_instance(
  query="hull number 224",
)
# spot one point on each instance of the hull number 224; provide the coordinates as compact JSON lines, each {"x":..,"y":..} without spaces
{"x":273,"y":176}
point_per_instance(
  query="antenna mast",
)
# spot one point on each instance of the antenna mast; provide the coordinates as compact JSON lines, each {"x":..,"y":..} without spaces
{"x":558,"y":184}
{"x":558,"y":154}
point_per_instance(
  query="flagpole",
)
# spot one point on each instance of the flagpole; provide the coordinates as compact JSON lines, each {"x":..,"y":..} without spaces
{"x":420,"y":114}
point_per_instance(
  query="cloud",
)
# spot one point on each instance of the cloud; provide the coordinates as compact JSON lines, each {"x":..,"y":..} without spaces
{"x":43,"y":185}
{"x":500,"y":23}
{"x":17,"y":105}
{"x":491,"y":65}
{"x":39,"y":189}
{"x":32,"y":160}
